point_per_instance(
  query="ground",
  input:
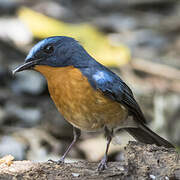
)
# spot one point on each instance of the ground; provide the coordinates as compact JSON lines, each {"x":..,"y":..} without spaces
{"x":141,"y":162}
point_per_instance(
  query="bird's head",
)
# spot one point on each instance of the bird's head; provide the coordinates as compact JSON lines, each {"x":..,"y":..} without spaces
{"x":57,"y":51}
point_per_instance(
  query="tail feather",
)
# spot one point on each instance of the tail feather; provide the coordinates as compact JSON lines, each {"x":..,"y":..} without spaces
{"x":145,"y":135}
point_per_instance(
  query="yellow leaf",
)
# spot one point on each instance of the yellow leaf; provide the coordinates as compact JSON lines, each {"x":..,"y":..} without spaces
{"x":94,"y":41}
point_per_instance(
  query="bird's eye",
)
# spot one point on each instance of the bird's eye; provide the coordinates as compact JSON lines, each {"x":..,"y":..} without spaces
{"x":48,"y":49}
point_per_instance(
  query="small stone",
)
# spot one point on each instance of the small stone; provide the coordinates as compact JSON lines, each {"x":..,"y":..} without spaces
{"x":9,"y":145}
{"x":29,"y":116}
{"x":152,"y":176}
{"x":54,"y":9}
{"x":2,"y":115}
{"x":13,"y":29}
{"x":121,"y":168}
{"x":29,"y":82}
{"x":76,"y":174}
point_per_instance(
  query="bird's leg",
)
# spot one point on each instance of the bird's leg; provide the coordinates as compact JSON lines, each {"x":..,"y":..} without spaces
{"x":77,"y":134}
{"x":103,"y":164}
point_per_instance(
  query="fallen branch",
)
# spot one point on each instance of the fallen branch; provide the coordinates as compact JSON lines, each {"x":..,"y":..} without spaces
{"x":161,"y":70}
{"x":141,"y":162}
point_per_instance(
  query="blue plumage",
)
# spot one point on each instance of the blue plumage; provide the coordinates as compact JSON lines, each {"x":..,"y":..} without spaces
{"x":68,"y":52}
{"x":62,"y":52}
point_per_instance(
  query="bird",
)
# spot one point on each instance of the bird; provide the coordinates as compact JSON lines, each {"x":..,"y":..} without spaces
{"x":90,"y":96}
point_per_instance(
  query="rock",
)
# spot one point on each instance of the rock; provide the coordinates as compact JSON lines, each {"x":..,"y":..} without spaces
{"x":8,"y":7}
{"x":156,"y":160}
{"x":116,"y":4}
{"x":14,"y":30}
{"x":27,"y":117}
{"x":29,"y":82}
{"x":144,"y":43}
{"x":9,"y":54}
{"x":2,"y":115}
{"x":116,"y":23}
{"x":10,"y":145}
{"x":166,"y":116}
{"x":53,"y":9}
{"x":5,"y":76}
{"x":175,"y":131}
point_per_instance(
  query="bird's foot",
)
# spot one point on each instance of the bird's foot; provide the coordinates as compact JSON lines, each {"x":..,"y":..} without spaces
{"x":60,"y":161}
{"x":103,"y":164}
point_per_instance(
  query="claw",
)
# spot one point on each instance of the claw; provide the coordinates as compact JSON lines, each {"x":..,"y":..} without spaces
{"x":103,"y":164}
{"x":61,"y":161}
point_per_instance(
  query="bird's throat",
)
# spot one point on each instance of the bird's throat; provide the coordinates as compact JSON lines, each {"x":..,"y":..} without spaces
{"x":52,"y":72}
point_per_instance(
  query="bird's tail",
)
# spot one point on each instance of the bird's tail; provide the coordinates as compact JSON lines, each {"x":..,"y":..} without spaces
{"x":145,"y":135}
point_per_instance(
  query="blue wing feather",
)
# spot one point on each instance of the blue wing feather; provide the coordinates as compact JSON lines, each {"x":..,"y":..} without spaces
{"x":114,"y":87}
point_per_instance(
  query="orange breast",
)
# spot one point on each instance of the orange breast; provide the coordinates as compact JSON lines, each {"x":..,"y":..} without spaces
{"x":78,"y":102}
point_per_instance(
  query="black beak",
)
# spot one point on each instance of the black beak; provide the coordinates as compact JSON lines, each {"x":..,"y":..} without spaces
{"x":26,"y":66}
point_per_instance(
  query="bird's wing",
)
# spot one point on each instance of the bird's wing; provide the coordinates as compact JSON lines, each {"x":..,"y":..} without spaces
{"x":112,"y":86}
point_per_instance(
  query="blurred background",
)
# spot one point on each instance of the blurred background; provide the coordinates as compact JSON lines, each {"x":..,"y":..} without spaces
{"x":138,"y":39}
